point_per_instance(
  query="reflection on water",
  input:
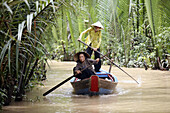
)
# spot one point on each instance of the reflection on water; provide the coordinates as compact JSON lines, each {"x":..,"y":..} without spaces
{"x":152,"y":94}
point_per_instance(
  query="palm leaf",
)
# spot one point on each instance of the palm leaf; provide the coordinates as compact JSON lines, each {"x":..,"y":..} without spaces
{"x":9,"y":57}
{"x":20,"y":30}
{"x":71,"y":28}
{"x":151,"y":6}
{"x":27,"y":4}
{"x":4,"y":50}
{"x":7,"y":6}
{"x":16,"y":59}
{"x":29,"y":22}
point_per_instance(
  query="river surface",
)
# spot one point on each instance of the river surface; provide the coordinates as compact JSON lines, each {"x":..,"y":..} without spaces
{"x":151,"y":95}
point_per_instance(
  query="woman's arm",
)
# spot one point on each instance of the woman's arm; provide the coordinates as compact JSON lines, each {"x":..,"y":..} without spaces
{"x":91,"y":61}
{"x":84,"y":32}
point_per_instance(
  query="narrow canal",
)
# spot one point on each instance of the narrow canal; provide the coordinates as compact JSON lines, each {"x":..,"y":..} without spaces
{"x":151,"y":95}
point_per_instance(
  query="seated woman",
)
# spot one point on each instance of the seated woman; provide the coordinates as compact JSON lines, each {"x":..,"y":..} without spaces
{"x":84,"y":64}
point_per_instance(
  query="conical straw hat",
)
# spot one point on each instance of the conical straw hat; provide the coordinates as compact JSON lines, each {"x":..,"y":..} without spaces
{"x":98,"y":24}
{"x":76,"y":56}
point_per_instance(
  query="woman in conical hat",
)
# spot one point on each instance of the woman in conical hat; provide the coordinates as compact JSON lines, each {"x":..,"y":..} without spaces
{"x":84,"y":62}
{"x":94,"y":40}
{"x":76,"y":56}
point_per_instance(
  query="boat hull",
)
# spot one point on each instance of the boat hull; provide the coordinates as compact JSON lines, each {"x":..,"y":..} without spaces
{"x":102,"y":83}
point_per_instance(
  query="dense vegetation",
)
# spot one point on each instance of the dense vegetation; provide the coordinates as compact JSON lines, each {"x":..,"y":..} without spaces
{"x":136,"y":34}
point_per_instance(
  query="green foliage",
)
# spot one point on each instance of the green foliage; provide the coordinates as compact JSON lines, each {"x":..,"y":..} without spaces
{"x":2,"y":98}
{"x":161,"y":41}
{"x":135,"y":31}
{"x":131,"y":29}
{"x":22,"y":53}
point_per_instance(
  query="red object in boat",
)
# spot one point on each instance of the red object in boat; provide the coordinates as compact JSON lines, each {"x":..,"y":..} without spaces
{"x":94,"y":84}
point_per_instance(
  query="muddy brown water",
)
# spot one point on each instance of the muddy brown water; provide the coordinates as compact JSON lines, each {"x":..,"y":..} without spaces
{"x":151,"y":95}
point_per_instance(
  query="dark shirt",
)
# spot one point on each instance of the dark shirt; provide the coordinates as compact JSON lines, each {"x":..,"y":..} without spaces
{"x":86,"y":63}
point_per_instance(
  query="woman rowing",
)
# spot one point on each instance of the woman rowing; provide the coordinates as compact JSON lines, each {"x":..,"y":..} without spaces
{"x":84,"y":67}
{"x":94,"y":40}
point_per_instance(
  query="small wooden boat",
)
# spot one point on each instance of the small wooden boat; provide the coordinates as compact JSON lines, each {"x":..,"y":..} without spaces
{"x":101,"y":83}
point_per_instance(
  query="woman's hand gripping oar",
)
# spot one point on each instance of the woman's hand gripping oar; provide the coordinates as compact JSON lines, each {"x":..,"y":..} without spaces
{"x":58,"y":85}
{"x":110,"y":61}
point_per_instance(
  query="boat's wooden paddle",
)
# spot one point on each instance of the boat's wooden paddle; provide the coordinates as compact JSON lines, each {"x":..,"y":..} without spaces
{"x":110,"y":61}
{"x":58,"y":85}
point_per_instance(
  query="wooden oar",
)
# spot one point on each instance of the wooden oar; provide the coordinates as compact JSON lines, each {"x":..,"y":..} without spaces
{"x":109,"y":60}
{"x":58,"y":85}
